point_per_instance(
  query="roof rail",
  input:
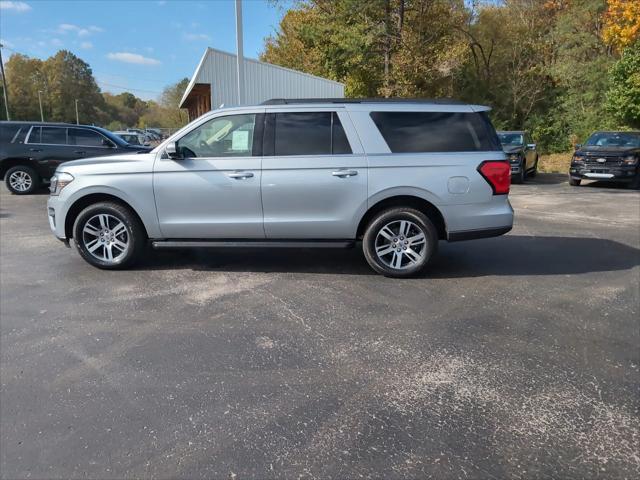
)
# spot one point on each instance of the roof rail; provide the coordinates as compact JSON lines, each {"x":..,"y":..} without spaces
{"x":295,"y":101}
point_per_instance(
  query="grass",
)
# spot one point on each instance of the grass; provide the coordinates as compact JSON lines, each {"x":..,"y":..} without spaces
{"x":555,"y":163}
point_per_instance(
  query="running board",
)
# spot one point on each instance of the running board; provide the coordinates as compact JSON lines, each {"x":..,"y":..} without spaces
{"x":252,"y":244}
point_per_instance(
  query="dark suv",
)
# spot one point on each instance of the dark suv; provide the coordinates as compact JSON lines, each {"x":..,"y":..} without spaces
{"x":521,"y":152}
{"x":610,"y":156}
{"x":30,"y":152}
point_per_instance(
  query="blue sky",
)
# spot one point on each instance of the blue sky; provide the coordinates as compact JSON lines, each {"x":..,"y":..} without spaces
{"x":139,"y":45}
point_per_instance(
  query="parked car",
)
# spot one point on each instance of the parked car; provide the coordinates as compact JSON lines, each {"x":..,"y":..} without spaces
{"x":132,"y":138}
{"x":157,"y":132}
{"x":611,"y":156}
{"x":521,"y":152}
{"x":399,"y":176}
{"x":30,"y":152}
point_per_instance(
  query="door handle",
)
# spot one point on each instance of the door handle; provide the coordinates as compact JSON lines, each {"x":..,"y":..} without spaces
{"x":240,"y":175}
{"x":35,"y":149}
{"x":80,"y":152}
{"x":344,"y":173}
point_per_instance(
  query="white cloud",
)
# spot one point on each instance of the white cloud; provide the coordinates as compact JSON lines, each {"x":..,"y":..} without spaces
{"x":128,"y":57}
{"x":196,"y":37}
{"x":15,"y":6}
{"x":64,"y":28}
{"x":86,"y":45}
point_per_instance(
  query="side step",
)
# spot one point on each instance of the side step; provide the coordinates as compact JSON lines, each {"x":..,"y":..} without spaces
{"x":253,"y":244}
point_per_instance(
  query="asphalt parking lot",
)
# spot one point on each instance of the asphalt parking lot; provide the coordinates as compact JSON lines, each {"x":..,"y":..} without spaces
{"x":512,"y":357}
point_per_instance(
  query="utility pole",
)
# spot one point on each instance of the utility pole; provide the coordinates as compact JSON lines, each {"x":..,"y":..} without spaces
{"x":40,"y":102}
{"x":240,"y":54}
{"x":77,"y":117}
{"x":4,"y":85}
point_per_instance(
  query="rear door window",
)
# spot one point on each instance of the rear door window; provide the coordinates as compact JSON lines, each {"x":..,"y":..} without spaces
{"x":86,"y":138}
{"x":53,"y":136}
{"x":305,"y":133}
{"x":413,"y":132}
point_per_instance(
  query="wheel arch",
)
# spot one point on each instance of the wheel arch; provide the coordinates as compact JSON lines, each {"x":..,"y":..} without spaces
{"x":429,"y":209}
{"x":8,"y":163}
{"x":86,"y":200}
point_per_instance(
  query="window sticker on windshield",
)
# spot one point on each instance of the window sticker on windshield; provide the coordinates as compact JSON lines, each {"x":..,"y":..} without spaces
{"x":240,"y":140}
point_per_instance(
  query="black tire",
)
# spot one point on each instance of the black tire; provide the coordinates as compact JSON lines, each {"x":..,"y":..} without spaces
{"x":420,"y":221}
{"x":16,"y":176}
{"x":519,"y":177}
{"x":136,"y":238}
{"x":534,"y":171}
{"x":574,"y":182}
{"x":635,"y":183}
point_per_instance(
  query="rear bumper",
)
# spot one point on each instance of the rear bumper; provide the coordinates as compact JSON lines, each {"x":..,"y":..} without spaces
{"x":476,"y":234}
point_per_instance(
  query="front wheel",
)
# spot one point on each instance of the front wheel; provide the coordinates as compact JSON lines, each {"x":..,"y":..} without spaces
{"x":520,"y":176}
{"x":399,"y":242}
{"x":109,"y":235}
{"x":574,"y":182}
{"x":22,"y":180}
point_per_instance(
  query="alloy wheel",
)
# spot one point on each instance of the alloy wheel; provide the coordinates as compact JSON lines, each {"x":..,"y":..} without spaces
{"x":20,"y":181}
{"x":400,"y":244}
{"x":106,"y":238}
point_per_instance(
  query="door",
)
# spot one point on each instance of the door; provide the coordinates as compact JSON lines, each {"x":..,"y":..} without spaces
{"x":530,"y":152}
{"x":89,"y":143}
{"x":47,"y":146}
{"x":213,"y":191}
{"x":314,"y":178}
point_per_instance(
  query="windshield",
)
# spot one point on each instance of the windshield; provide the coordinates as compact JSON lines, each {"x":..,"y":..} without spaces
{"x":617,"y":139}
{"x":511,"y":138}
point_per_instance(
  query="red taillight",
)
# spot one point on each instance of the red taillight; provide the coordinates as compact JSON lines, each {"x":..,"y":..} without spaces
{"x":498,"y":174}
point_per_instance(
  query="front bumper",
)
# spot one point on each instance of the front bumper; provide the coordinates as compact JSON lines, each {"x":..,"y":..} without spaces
{"x":515,"y":168}
{"x":56,"y":216}
{"x":618,"y":173}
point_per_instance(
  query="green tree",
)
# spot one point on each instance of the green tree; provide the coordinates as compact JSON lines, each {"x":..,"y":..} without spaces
{"x":25,"y":77}
{"x":623,"y":97}
{"x":69,"y":78}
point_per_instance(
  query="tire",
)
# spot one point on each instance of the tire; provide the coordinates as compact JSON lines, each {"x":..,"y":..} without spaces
{"x":519,"y":178}
{"x":22,"y":180}
{"x":108,"y":229}
{"x":574,"y":182}
{"x":534,"y":171}
{"x":635,"y":183}
{"x":376,"y":241}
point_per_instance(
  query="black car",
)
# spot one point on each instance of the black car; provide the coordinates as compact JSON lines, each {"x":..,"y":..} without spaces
{"x":610,"y":156}
{"x":30,"y":152}
{"x":521,"y":152}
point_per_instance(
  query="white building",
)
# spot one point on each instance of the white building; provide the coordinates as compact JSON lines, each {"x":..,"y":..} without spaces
{"x":214,"y":83}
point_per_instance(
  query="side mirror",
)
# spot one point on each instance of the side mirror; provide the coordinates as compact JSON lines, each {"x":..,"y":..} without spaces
{"x":531,"y":146}
{"x":172,"y":151}
{"x":107,"y":143}
{"x":577,"y":146}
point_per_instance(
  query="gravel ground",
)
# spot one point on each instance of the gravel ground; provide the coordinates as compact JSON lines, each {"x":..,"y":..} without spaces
{"x":512,"y":357}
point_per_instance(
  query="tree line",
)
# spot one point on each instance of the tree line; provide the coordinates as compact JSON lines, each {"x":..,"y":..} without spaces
{"x":558,"y":68}
{"x":57,"y":82}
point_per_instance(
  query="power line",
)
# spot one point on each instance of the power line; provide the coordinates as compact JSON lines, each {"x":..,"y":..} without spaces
{"x":127,"y":88}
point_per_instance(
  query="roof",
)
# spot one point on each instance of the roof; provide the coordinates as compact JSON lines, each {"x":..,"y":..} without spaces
{"x":194,"y":79}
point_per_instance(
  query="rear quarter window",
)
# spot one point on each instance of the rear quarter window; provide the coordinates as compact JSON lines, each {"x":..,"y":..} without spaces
{"x":9,"y":133}
{"x":414,"y":132}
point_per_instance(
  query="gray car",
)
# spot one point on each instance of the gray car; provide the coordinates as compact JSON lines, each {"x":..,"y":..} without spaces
{"x":396,"y":175}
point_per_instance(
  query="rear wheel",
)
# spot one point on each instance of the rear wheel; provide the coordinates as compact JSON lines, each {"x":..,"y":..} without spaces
{"x":399,"y":242}
{"x":22,"y":180}
{"x":109,"y":235}
{"x":574,"y":182}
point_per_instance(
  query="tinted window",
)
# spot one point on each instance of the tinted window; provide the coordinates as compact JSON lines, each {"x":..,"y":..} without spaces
{"x":86,"y":138}
{"x":614,"y":139}
{"x":339,"y":142}
{"x":436,"y":131}
{"x":230,"y":136}
{"x":304,"y":133}
{"x":53,"y":136}
{"x":8,"y":133}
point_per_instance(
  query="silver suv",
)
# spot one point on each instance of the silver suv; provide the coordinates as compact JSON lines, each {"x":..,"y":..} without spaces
{"x":397,"y":175}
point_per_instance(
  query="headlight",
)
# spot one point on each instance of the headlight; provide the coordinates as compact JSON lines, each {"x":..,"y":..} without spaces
{"x":514,"y":157}
{"x":59,"y":181}
{"x":630,"y":160}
